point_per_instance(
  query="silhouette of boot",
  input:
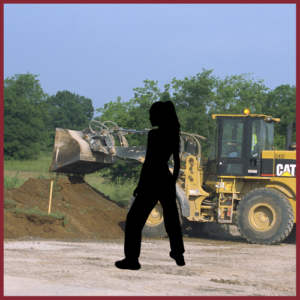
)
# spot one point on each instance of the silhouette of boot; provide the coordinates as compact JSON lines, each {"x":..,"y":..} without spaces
{"x":179,"y":259}
{"x":128,"y":264}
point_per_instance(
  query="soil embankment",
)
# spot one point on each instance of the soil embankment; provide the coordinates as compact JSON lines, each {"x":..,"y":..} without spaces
{"x":88,"y":213}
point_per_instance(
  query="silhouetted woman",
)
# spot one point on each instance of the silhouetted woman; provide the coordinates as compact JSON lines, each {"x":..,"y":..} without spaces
{"x":156,"y":184}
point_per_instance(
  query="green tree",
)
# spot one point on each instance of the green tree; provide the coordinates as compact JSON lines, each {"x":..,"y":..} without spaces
{"x":116,"y":111}
{"x":68,"y":110}
{"x":237,"y":92}
{"x":133,"y":114}
{"x":143,"y":99}
{"x":25,"y":115}
{"x":165,"y":96}
{"x":281,"y":102}
{"x":191,"y":97}
{"x":121,"y":114}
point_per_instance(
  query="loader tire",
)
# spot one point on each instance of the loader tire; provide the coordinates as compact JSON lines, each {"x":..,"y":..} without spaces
{"x":291,"y":238}
{"x":264,"y":216}
{"x":155,"y":226}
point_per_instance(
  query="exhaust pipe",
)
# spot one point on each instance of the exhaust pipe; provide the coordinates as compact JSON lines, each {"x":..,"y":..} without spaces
{"x":288,"y":137}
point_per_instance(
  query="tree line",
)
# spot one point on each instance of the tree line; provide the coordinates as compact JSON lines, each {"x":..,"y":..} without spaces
{"x":31,"y":115}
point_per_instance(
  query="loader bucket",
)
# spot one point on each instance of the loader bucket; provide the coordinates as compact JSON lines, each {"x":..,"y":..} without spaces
{"x":72,"y":154}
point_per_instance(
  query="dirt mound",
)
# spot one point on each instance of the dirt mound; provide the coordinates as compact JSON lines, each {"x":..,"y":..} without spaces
{"x":81,"y":211}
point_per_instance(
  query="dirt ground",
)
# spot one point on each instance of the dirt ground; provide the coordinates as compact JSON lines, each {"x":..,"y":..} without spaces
{"x":89,"y":213}
{"x":79,"y":254}
{"x":213,"y":268}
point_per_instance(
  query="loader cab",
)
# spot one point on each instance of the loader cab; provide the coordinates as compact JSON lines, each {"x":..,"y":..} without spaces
{"x":237,"y":143}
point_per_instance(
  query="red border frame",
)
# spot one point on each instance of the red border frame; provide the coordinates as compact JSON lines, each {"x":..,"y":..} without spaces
{"x":140,"y":2}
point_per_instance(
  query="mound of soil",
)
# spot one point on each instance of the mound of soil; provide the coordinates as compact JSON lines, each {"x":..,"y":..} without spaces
{"x":88,"y":213}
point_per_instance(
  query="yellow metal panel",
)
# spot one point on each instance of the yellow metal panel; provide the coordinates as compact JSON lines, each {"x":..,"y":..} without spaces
{"x":245,"y":177}
{"x":268,"y":154}
{"x":285,"y":154}
{"x":276,"y":120}
{"x":287,"y":185}
{"x":194,"y":177}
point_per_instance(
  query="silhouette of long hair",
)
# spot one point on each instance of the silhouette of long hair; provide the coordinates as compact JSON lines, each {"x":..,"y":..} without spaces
{"x":165,"y":114}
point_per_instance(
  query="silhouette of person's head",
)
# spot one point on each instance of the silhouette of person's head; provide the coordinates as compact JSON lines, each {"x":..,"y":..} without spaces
{"x":163,"y":115}
{"x":156,"y":113}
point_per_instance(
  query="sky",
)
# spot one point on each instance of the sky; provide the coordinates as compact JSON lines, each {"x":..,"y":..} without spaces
{"x":102,"y":51}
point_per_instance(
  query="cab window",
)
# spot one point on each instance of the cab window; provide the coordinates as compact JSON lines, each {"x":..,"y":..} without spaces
{"x":214,"y":144}
{"x":232,"y":137}
{"x":255,"y":138}
{"x":267,"y":136}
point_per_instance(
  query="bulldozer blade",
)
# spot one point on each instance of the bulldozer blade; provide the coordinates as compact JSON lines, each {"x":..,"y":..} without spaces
{"x":72,"y":154}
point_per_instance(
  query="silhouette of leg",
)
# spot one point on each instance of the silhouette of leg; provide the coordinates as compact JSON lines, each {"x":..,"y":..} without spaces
{"x":173,"y":227}
{"x":128,"y":264}
{"x":136,"y":219}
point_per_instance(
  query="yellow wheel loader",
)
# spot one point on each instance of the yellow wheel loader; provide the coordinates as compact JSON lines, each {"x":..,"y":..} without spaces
{"x":245,"y":181}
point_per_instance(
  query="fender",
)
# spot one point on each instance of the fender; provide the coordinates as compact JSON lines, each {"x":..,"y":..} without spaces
{"x":183,"y":200}
{"x":285,"y":189}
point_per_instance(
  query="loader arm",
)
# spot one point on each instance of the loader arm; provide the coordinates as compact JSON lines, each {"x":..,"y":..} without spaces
{"x":90,"y":150}
{"x":86,"y":151}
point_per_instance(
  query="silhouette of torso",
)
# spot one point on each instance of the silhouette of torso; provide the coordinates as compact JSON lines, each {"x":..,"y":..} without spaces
{"x":156,"y":178}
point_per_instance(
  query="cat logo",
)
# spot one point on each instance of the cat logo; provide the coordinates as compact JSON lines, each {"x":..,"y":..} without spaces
{"x":286,"y":170}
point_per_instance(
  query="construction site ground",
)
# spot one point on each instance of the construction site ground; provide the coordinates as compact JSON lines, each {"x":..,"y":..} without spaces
{"x":75,"y":255}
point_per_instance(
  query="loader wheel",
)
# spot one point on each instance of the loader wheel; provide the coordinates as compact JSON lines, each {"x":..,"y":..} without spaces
{"x":291,"y":238}
{"x":155,"y":226}
{"x":264,"y":216}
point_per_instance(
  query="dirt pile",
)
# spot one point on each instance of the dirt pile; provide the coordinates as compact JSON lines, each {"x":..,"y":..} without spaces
{"x":82,"y":211}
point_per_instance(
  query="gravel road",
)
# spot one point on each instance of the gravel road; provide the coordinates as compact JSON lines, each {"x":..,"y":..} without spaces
{"x":214,"y":267}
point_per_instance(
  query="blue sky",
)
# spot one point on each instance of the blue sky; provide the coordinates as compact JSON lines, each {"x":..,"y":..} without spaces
{"x":102,"y":51}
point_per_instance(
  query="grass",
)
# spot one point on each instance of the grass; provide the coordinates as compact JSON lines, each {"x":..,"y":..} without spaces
{"x":101,"y":208}
{"x":56,"y":188}
{"x":115,"y":190}
{"x":38,"y":212}
{"x":42,"y":194}
{"x":57,"y":215}
{"x":42,"y":176}
{"x":11,"y":182}
{"x":40,"y":165}
{"x":9,"y":201}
